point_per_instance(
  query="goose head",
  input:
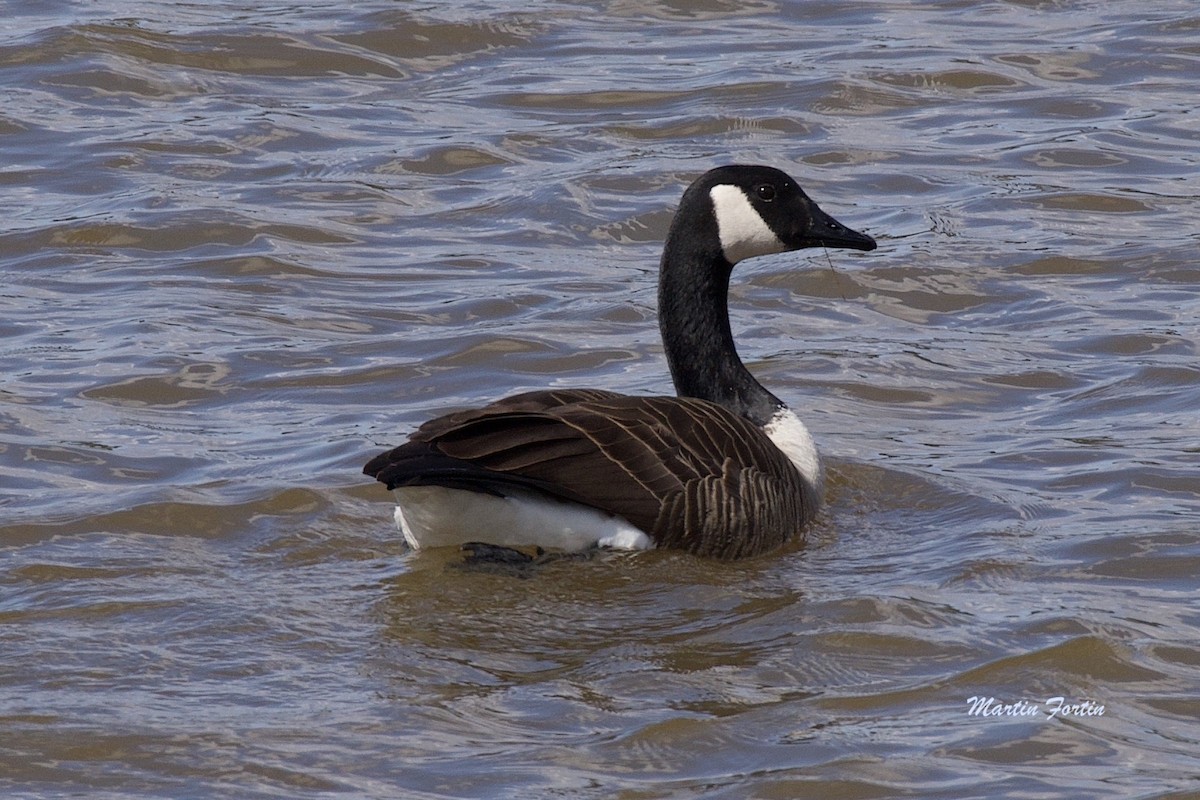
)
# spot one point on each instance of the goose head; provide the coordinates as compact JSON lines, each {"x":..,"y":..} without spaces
{"x":758,"y":210}
{"x":727,"y":215}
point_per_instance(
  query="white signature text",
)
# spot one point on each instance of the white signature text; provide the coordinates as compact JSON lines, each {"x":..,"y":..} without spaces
{"x":1051,"y":707}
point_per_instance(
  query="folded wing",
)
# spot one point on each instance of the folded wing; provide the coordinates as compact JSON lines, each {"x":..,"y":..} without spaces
{"x":687,"y":472}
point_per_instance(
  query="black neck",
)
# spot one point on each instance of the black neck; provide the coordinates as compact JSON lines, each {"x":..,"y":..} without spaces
{"x":693,"y":316}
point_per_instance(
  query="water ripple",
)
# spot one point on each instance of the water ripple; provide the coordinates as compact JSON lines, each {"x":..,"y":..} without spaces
{"x":246,"y":246}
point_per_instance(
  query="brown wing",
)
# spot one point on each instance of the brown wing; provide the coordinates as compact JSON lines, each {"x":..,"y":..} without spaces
{"x":687,"y":472}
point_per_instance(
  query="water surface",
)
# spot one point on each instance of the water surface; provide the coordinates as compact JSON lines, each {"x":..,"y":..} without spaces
{"x":245,"y":246}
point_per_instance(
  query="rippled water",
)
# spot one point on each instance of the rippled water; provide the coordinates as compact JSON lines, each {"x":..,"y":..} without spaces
{"x":245,"y":246}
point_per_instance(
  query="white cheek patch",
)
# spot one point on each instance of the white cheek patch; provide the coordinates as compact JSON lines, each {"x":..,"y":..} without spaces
{"x":743,"y":232}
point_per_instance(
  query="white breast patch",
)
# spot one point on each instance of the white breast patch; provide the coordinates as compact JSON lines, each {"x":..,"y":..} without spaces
{"x":789,"y":434}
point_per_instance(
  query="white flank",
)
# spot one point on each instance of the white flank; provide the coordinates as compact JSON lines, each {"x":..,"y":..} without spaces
{"x":743,"y":232}
{"x":789,"y":434}
{"x":434,"y":516}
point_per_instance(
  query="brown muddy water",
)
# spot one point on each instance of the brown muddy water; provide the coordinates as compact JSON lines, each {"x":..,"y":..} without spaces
{"x":247,"y":245}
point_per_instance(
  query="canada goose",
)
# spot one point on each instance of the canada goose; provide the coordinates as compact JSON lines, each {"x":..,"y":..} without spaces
{"x":725,"y":469}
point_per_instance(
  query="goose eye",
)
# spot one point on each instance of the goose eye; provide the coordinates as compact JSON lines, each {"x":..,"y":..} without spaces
{"x":765,"y":192}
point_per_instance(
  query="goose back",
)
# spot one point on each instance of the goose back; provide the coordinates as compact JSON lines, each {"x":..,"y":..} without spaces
{"x":687,"y":472}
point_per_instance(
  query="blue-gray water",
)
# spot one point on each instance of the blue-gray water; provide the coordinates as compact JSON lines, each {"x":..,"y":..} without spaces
{"x":245,"y":246}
